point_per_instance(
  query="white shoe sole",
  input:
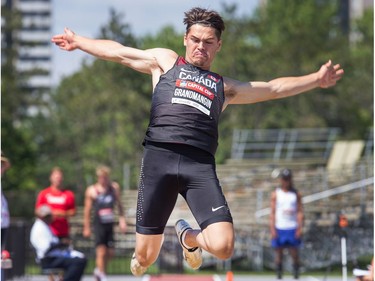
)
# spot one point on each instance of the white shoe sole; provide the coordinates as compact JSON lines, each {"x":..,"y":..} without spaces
{"x":136,"y":268}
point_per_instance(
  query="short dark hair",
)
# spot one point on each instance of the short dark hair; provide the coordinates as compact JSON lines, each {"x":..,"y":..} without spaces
{"x":286,"y":174}
{"x":204,"y":17}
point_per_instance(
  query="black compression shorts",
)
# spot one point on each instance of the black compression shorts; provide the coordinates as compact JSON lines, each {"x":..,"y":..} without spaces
{"x":170,"y":169}
{"x":104,"y":234}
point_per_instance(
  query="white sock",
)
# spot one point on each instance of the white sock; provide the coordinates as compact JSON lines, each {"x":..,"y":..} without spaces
{"x":183,"y":240}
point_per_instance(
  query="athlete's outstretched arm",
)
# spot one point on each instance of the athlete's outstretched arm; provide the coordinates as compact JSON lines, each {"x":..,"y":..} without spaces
{"x":237,"y":92}
{"x":145,"y":61}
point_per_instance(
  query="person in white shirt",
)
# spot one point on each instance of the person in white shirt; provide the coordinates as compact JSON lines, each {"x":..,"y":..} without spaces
{"x":50,"y":252}
{"x":286,"y":222}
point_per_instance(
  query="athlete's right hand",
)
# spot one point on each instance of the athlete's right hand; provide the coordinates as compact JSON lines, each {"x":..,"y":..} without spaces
{"x":273,"y":233}
{"x":86,"y":232}
{"x":66,"y":40}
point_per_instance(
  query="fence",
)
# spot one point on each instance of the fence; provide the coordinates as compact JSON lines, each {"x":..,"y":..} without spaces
{"x":283,"y":144}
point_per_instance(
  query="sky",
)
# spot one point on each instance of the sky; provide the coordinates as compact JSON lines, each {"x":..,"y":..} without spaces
{"x":85,"y":17}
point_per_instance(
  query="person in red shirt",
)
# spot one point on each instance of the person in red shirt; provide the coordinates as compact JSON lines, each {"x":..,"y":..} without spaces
{"x":60,"y":200}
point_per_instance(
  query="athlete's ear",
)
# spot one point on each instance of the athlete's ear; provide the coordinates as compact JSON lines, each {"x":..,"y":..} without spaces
{"x":219,"y":46}
{"x":185,"y":40}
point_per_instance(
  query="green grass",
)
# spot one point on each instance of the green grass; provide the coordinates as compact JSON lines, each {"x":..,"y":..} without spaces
{"x":121,"y":266}
{"x":116,"y":266}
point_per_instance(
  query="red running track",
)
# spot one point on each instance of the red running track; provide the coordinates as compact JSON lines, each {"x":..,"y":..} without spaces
{"x":181,"y":278}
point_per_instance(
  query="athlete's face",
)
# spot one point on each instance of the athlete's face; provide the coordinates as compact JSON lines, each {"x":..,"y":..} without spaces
{"x":286,"y":183}
{"x":103,"y":179}
{"x":56,"y":178}
{"x":201,"y":44}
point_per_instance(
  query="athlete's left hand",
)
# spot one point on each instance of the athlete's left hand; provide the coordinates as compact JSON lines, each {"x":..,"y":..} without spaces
{"x":329,"y":74}
{"x":122,"y":224}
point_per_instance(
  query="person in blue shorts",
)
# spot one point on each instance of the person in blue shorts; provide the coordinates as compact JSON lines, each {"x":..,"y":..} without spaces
{"x":286,"y":222}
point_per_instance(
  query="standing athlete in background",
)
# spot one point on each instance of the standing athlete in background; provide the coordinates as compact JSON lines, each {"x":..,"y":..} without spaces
{"x":182,"y":135}
{"x":103,"y":197}
{"x":286,"y":222}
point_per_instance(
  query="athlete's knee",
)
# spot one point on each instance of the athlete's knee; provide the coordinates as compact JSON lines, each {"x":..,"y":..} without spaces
{"x":227,"y":251}
{"x":222,"y":249}
{"x":145,"y":260}
{"x":101,"y":250}
{"x":222,"y":245}
{"x":224,"y":253}
{"x":110,"y":252}
{"x":147,"y":249}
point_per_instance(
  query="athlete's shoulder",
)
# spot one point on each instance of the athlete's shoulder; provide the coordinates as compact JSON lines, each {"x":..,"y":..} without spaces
{"x":90,"y":191}
{"x":68,"y":192}
{"x":163,"y":54}
{"x":273,"y":193}
{"x":45,"y":190}
{"x":165,"y":58}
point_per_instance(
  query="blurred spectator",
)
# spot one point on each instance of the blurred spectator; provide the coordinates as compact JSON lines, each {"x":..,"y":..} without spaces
{"x":50,"y":251}
{"x":103,"y":197}
{"x":5,"y":217}
{"x":60,"y":200}
{"x":286,"y":222}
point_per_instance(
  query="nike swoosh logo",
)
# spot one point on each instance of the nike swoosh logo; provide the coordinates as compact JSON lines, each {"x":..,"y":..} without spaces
{"x":215,"y":209}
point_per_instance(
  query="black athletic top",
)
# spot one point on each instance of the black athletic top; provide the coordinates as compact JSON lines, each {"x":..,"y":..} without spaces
{"x":186,"y":105}
{"x":104,"y":206}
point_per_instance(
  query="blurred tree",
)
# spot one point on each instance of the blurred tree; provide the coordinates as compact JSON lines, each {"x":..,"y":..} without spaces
{"x":285,"y":39}
{"x":354,"y":107}
{"x":16,"y":135}
{"x":100,"y":115}
{"x":167,"y":37}
{"x":291,"y":38}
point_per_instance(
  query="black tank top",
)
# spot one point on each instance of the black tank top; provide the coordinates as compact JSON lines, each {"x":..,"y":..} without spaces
{"x":104,"y":206}
{"x":186,"y":105}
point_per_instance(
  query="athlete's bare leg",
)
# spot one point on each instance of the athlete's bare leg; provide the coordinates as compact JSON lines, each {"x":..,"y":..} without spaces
{"x":217,"y":239}
{"x":101,"y":258}
{"x":279,"y":262}
{"x":294,"y":253}
{"x":147,"y":248}
{"x":279,"y":255}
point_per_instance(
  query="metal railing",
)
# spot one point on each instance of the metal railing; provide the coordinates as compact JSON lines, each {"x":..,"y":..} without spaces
{"x":287,"y":144}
